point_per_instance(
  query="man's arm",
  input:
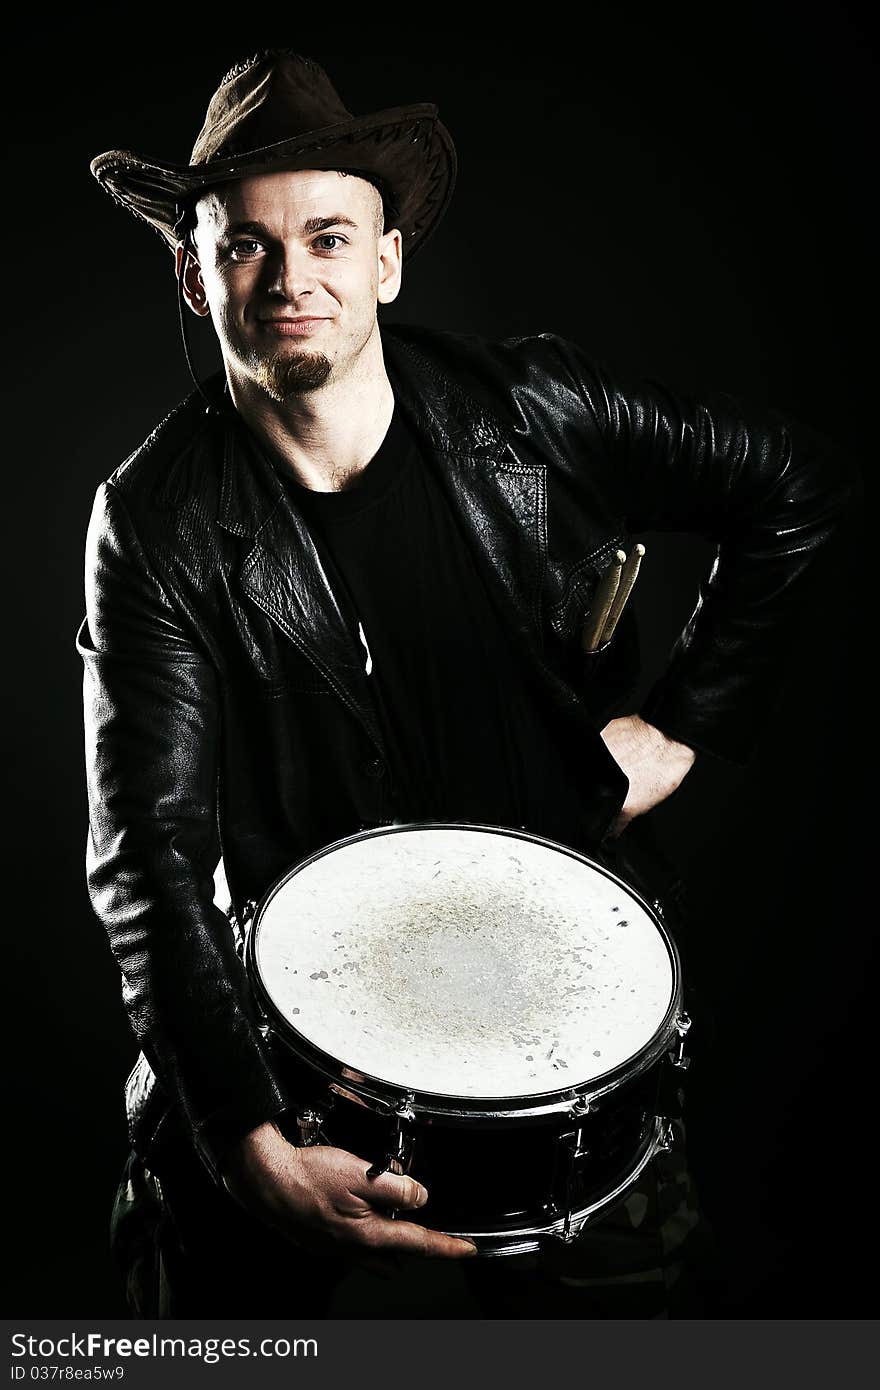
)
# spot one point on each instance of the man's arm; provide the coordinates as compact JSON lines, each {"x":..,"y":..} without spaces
{"x":151,"y":724}
{"x":775,"y":497}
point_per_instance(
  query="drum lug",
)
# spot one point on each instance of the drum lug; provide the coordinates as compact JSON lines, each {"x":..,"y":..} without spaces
{"x":657,"y":905}
{"x":574,"y":1143}
{"x":399,"y":1156}
{"x":676,"y":1052}
{"x":665,"y":1139}
{"x":670,"y":1095}
{"x":574,"y":1147}
{"x":568,"y":1234}
{"x":581,"y":1107}
{"x":574,"y":1140}
{"x":404,"y":1108}
{"x":311,"y":1118}
{"x":309,"y":1122}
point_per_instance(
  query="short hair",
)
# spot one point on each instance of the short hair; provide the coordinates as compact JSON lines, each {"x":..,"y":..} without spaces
{"x":389,"y":207}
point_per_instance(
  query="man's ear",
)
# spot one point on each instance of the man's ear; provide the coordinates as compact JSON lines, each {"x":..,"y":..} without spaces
{"x":193,"y":286}
{"x":390,"y":266}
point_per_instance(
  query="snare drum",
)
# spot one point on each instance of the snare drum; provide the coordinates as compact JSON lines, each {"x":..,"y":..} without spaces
{"x":493,"y":1012}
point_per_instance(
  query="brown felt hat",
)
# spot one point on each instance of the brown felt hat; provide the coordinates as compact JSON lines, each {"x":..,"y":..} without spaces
{"x":278,"y":110}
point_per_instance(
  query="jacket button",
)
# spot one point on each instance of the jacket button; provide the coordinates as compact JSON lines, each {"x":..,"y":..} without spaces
{"x":374,"y":768}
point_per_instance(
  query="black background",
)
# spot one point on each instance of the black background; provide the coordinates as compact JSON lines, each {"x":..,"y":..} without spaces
{"x":686,"y":198}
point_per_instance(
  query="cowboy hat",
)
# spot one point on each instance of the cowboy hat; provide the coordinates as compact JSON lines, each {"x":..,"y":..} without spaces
{"x":279,"y":110}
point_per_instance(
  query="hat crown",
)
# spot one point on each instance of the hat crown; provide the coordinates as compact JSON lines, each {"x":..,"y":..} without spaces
{"x":273,"y":96}
{"x":279,"y":110}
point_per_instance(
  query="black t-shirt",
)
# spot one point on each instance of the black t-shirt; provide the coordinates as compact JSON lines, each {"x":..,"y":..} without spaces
{"x":465,"y":736}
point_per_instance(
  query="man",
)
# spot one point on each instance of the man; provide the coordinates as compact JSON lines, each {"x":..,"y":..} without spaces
{"x":346,"y":586}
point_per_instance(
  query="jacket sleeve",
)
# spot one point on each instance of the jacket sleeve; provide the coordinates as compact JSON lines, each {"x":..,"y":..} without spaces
{"x":777,"y":499}
{"x":152,"y":729}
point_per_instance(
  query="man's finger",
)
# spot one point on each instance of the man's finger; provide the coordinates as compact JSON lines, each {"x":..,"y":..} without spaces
{"x":405,"y":1237}
{"x":391,"y":1190}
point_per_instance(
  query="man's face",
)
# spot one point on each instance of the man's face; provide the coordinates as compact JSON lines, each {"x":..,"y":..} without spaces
{"x":291,"y":266}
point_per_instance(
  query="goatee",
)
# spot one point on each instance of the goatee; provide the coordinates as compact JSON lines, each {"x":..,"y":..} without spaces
{"x":281,"y":376}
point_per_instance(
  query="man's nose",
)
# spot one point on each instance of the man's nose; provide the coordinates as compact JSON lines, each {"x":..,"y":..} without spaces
{"x":289,"y":273}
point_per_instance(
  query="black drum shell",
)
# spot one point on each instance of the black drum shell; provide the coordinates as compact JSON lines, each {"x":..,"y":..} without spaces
{"x":503,"y":1173}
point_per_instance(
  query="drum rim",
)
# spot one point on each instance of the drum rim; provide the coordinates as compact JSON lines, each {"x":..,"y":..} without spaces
{"x":385,"y":1096}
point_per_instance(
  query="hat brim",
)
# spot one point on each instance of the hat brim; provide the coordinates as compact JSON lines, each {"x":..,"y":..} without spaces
{"x":405,"y":146}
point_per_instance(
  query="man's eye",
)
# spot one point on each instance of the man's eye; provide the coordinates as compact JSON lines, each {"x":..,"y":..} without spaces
{"x":329,"y":236}
{"x":246,"y":248}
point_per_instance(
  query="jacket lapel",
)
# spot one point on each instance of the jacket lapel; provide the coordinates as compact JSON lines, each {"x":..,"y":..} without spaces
{"x":497,"y":497}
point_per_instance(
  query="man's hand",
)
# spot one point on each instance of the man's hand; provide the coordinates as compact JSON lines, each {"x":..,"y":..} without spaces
{"x":321,"y":1198}
{"x":655,"y":765}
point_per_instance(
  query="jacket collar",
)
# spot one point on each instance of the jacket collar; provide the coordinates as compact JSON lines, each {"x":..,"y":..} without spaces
{"x":450,"y":419}
{"x":249,"y":491}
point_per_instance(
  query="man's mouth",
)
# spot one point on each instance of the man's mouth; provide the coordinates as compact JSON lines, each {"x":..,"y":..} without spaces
{"x":291,"y":326}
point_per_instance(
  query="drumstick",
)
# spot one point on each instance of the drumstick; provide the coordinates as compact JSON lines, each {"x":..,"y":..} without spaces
{"x":627,"y":580}
{"x":605,"y":592}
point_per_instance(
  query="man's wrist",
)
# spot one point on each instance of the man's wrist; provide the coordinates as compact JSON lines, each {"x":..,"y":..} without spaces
{"x":673,"y":746}
{"x":223,"y":1131}
{"x":255,"y":1149}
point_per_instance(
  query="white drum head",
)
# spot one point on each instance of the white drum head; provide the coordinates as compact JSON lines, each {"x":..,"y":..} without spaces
{"x":463,"y":962}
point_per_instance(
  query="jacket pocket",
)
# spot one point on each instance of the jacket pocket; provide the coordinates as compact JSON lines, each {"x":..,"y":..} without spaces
{"x":289,"y":672}
{"x":301,"y":683}
{"x":579,"y":586}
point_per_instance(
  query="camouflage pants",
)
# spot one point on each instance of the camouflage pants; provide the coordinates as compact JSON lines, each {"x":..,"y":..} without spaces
{"x":186,"y":1249}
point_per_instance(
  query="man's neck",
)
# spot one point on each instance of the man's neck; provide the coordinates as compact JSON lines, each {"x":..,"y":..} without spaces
{"x":326,"y":436}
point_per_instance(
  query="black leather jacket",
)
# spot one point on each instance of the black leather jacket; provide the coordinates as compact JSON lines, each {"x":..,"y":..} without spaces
{"x":226,"y":708}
